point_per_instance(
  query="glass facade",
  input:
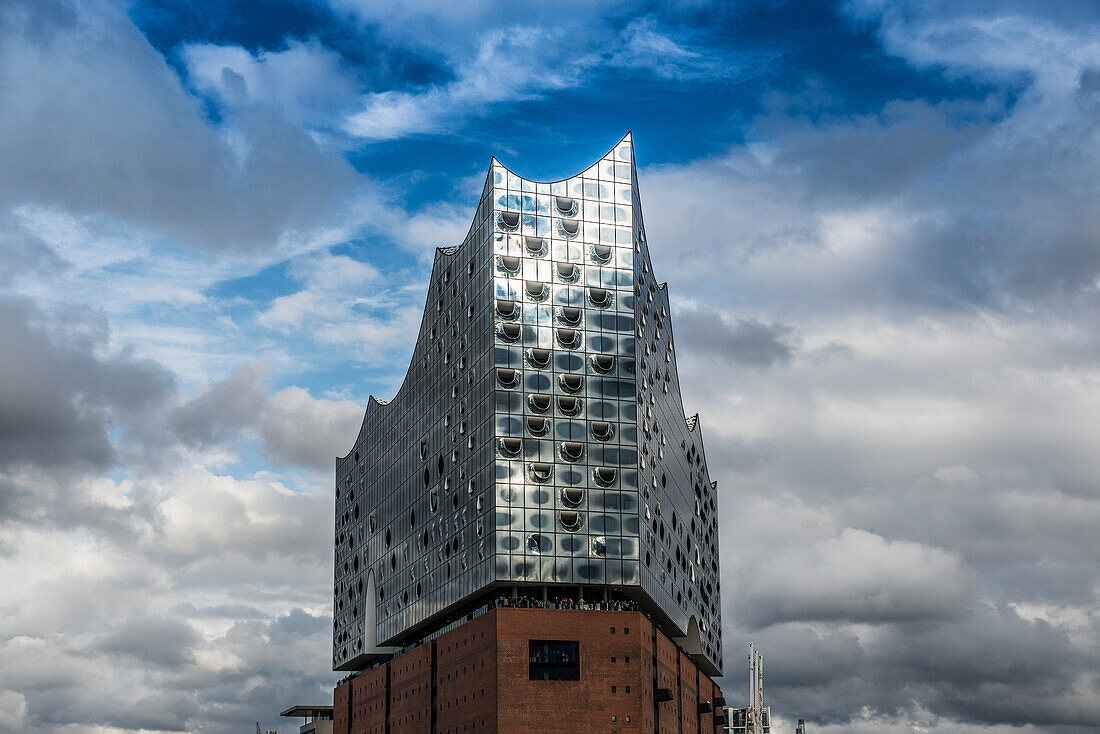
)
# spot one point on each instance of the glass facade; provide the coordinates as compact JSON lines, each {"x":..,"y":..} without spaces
{"x":539,"y":437}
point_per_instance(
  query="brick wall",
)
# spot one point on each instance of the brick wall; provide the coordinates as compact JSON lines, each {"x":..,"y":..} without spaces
{"x":411,"y":691}
{"x":466,"y":678}
{"x":606,"y":641}
{"x":480,"y":675}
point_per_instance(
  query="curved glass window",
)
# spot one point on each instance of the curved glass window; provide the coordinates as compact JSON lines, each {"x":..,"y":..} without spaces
{"x":599,"y":546}
{"x":572,"y":450}
{"x":507,"y":377}
{"x":509,"y":264}
{"x":508,"y":220}
{"x":569,"y":337}
{"x":511,"y":332}
{"x":535,"y":245}
{"x":507,"y":309}
{"x":567,"y":272}
{"x":572,"y":383}
{"x":539,"y":403}
{"x":571,"y":496}
{"x":569,"y":228}
{"x":538,"y":544}
{"x":570,"y":315}
{"x":604,"y":475}
{"x":537,"y":426}
{"x":565,"y":206}
{"x":570,"y":520}
{"x":601,"y":253}
{"x":600,"y":297}
{"x":536,"y":291}
{"x":510,"y":446}
{"x":602,"y":430}
{"x":541,"y":471}
{"x":568,"y":405}
{"x":539,"y":357}
{"x":603,"y":362}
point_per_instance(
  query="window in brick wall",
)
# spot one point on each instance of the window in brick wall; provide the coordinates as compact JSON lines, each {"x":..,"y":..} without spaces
{"x":554,"y":660}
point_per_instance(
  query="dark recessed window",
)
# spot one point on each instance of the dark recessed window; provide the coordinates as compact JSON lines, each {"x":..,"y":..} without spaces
{"x":567,"y":272}
{"x":601,"y":253}
{"x":570,"y":315}
{"x":571,"y":496}
{"x":572,"y":383}
{"x":541,"y":471}
{"x":600,"y":297}
{"x":536,"y":291}
{"x":511,"y":332}
{"x":572,"y":450}
{"x":566,"y":206}
{"x":554,"y":660}
{"x":508,"y":220}
{"x":568,"y":337}
{"x":568,"y":228}
{"x":600,"y":362}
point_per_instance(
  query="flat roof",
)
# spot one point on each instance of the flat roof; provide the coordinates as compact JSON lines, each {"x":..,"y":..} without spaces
{"x":306,"y":711}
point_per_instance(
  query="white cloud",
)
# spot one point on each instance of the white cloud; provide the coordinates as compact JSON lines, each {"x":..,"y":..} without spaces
{"x":505,"y":68}
{"x":305,"y":81}
{"x":857,"y":576}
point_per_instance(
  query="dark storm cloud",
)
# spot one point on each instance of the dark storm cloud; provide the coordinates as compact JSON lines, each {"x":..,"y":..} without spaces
{"x":155,"y":640}
{"x":126,"y":141}
{"x":745,"y":341}
{"x":223,"y":409}
{"x":24,"y":255}
{"x":991,"y":668}
{"x":293,"y":427}
{"x":64,"y":386}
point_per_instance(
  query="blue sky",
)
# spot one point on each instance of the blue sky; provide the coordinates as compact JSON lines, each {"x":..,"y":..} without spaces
{"x":878,"y":223}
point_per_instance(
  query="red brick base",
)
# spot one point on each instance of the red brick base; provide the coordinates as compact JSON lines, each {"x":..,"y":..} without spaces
{"x":475,"y":678}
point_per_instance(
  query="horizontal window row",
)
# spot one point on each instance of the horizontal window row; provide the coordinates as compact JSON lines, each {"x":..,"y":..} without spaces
{"x":539,"y":247}
{"x":540,"y":426}
{"x":542,"y":472}
{"x":537,"y":290}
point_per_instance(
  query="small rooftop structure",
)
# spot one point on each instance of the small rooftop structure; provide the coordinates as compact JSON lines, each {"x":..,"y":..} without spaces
{"x":317,"y":719}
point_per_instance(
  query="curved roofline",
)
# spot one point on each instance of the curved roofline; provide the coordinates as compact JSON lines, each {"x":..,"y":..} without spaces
{"x":449,"y":251}
{"x":452,"y":251}
{"x":612,"y":149}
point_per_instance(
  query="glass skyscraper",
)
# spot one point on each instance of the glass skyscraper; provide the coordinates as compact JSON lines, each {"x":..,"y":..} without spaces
{"x":539,"y":440}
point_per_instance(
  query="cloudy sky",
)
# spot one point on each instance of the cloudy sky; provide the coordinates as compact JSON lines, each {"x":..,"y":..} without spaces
{"x":879,"y":225}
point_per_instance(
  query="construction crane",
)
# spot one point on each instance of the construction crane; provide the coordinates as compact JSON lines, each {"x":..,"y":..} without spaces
{"x":801,"y":728}
{"x":269,"y":731}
